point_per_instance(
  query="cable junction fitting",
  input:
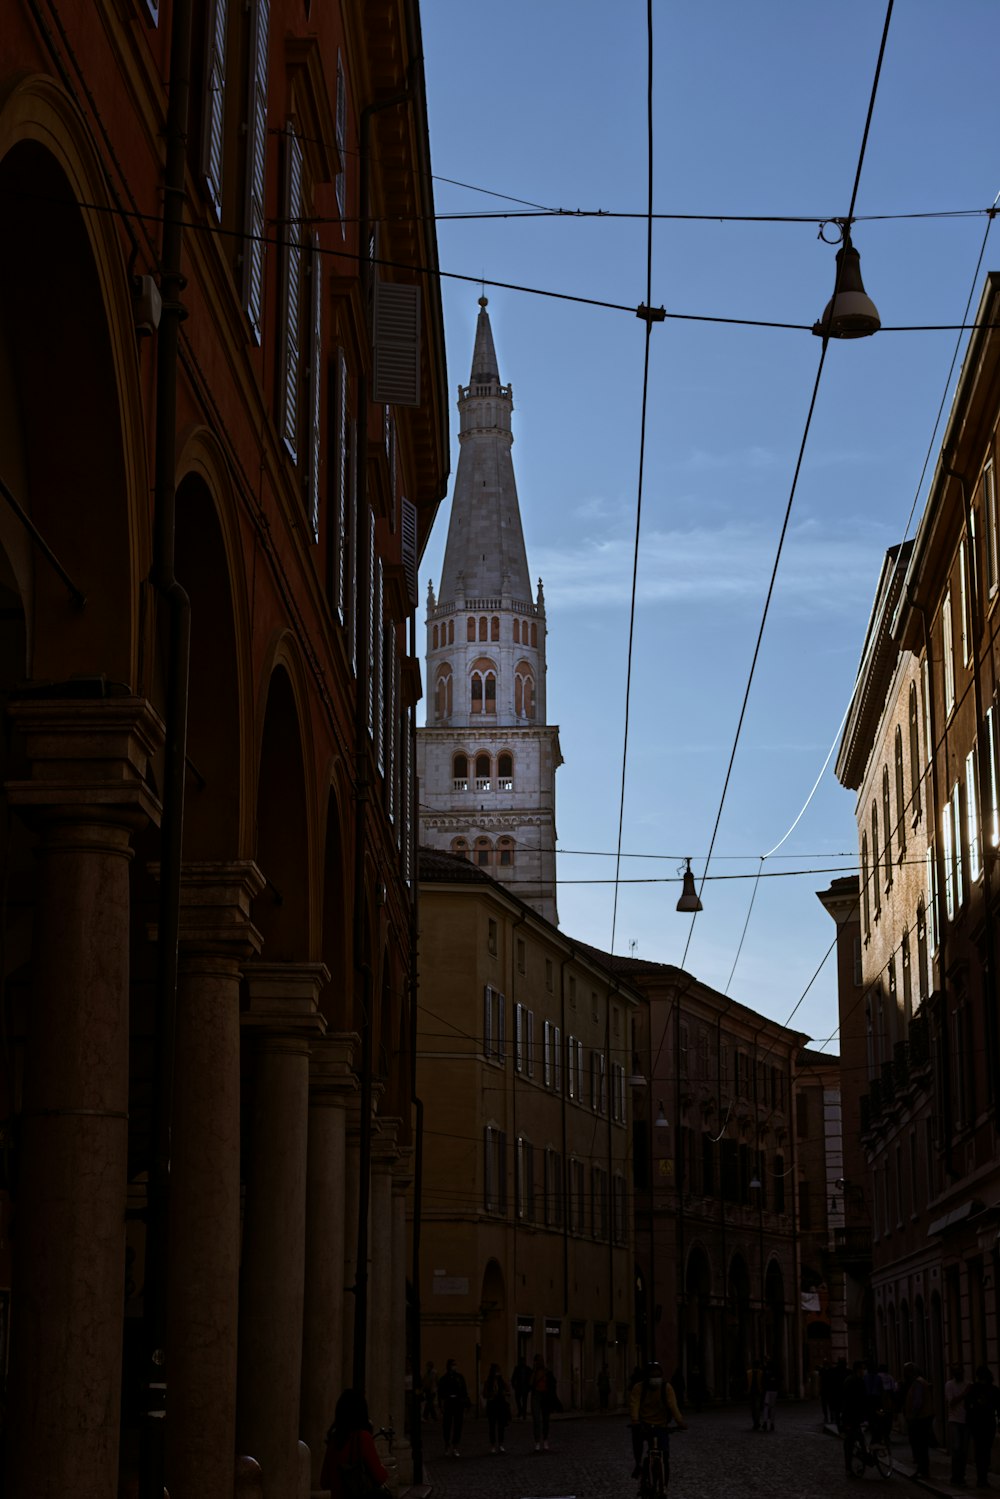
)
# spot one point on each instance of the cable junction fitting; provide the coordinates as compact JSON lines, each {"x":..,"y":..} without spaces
{"x":651,"y":315}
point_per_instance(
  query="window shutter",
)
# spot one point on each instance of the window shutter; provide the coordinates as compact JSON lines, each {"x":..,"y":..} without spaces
{"x":213,"y":131}
{"x":353,"y":547}
{"x":372,"y":666}
{"x":288,"y":380}
{"x":339,"y":520}
{"x":408,"y":527}
{"x":380,"y":634}
{"x":253,"y":249}
{"x":501,"y":1005}
{"x":397,"y":344}
{"x":341,"y":182}
{"x":487,"y":1021}
{"x":391,"y":726}
{"x":315,"y":385}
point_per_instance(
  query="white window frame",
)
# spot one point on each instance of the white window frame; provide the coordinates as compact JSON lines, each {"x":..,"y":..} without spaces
{"x":254,"y":222}
{"x":990,"y":521}
{"x":948,"y":841}
{"x":965,"y":599}
{"x":948,"y":651}
{"x":972,"y":815}
{"x":956,"y":818}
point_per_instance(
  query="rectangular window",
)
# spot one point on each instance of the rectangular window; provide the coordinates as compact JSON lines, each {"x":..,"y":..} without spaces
{"x":491,"y":940}
{"x":557,"y":1057}
{"x":377,"y":667}
{"x":341,"y":128}
{"x":338,"y":535}
{"x":519,"y":1038}
{"x":948,"y":847}
{"x":553,"y":1189}
{"x":256,"y":147}
{"x":965,"y":601}
{"x":494,"y":1006}
{"x":972,"y":815}
{"x":291,"y":296}
{"x":572,"y":1079}
{"x":956,"y":822}
{"x":948,"y":651}
{"x":529,"y":1043}
{"x":495,"y":1170}
{"x":993,"y":831}
{"x":990,"y":522}
{"x":525,"y":1185}
{"x":372,"y":673}
{"x":932,"y":892}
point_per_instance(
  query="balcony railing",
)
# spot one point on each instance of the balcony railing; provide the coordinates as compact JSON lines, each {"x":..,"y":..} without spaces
{"x":460,"y":783}
{"x":852,"y":1245}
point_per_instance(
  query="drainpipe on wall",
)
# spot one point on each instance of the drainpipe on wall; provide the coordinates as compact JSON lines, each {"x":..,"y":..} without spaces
{"x":361,"y":777}
{"x":178,"y":609}
{"x":416,"y":1415}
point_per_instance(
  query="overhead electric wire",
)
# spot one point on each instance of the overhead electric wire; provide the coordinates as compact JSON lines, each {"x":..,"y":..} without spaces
{"x":795,"y":480}
{"x":642,"y":448}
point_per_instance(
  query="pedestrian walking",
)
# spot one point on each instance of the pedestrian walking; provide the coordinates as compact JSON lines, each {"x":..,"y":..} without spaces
{"x":853,"y":1411}
{"x":603,"y":1386}
{"x":982,"y":1404}
{"x":453,"y":1398}
{"x":838,"y":1374}
{"x":919,"y":1417}
{"x":955,"y":1390}
{"x":755,"y":1389}
{"x":770,"y":1387}
{"x":542,"y":1400}
{"x":520,"y":1383}
{"x":428,"y":1389}
{"x":351,"y":1465}
{"x":495,"y":1396}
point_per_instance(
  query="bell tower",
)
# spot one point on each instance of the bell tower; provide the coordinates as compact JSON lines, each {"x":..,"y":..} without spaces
{"x":487,"y":758}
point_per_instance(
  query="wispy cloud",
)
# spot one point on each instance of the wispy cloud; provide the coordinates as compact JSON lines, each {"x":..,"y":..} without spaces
{"x":729,"y":564}
{"x":757,"y":458}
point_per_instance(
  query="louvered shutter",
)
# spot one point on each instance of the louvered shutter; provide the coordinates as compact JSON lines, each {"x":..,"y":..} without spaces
{"x":291,"y":295}
{"x":379,"y":665}
{"x":340,"y":549}
{"x":213,"y":133}
{"x":353,"y":547}
{"x":396,"y":344}
{"x":315,"y":385}
{"x":408,"y":526}
{"x":393,"y":727}
{"x":253,"y":249}
{"x":341,"y":182}
{"x":372,"y":667}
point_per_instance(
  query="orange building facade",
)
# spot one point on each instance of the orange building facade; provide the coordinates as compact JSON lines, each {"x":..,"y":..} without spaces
{"x":223,"y":438}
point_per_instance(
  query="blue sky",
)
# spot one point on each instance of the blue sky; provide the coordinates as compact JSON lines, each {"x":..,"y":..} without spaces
{"x":758,"y":110}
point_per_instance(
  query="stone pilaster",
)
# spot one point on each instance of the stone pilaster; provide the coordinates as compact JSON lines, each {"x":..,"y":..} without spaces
{"x":87,"y":795}
{"x":332,"y":1084}
{"x":402,"y":1179}
{"x":383,"y":1331}
{"x":280,"y":1027}
{"x":216,"y":940}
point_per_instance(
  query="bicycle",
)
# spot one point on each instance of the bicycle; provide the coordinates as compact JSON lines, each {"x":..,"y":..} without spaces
{"x":871,"y":1451}
{"x":654,"y":1475}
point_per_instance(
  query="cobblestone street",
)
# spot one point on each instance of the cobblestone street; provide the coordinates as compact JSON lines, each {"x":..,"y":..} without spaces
{"x":720,"y":1455}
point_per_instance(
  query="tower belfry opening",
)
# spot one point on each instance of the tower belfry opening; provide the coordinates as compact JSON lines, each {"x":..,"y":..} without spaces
{"x":487,"y":757}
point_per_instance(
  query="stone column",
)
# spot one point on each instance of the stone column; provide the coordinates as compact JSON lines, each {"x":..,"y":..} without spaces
{"x":216,"y":939}
{"x":331,"y":1084}
{"x":382,"y":1329}
{"x":399,"y":1397}
{"x":86,"y":796}
{"x":282,"y":1022}
{"x":352,"y":1186}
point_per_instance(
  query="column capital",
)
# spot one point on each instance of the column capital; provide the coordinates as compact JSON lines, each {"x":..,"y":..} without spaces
{"x":215,"y":907}
{"x":89,"y":757}
{"x":385,"y":1151}
{"x":284,"y":999}
{"x":331,"y":1076}
{"x":402,"y":1171}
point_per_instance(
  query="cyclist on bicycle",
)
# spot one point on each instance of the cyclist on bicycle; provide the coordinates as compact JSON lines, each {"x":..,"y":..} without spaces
{"x":652,"y":1405}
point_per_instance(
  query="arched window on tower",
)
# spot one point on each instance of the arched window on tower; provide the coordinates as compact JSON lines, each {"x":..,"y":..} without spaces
{"x":470,"y":629}
{"x":442,"y":692}
{"x":505,"y":852}
{"x":505,"y":772}
{"x":484,"y":852}
{"x":524,"y":690}
{"x":435,"y":641}
{"x":495,"y":627}
{"x":517,"y":632}
{"x":460,"y":773}
{"x":460,"y":847}
{"x":534,"y":634}
{"x":484,"y":781}
{"x":451,"y":632}
{"x":482,"y":627}
{"x":484,"y":685}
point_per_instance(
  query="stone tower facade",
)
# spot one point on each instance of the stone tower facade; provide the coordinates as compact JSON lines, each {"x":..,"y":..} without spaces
{"x":487,"y":758}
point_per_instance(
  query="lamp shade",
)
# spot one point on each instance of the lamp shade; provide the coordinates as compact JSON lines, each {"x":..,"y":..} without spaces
{"x":689,"y":896}
{"x":850,"y":312}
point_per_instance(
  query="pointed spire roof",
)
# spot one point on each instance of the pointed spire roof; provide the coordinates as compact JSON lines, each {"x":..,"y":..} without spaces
{"x":485,"y":555}
{"x":484,"y":355}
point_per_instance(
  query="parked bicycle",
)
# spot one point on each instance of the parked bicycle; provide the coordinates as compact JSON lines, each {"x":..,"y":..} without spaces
{"x":871,"y":1451}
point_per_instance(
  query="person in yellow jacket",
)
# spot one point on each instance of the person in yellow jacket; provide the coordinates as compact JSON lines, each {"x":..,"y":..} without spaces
{"x":652,"y":1405}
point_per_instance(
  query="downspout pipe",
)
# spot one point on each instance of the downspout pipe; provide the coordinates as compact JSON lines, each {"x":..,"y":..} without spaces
{"x":416,"y":1417}
{"x":362,"y":783}
{"x":177,"y":607}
